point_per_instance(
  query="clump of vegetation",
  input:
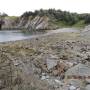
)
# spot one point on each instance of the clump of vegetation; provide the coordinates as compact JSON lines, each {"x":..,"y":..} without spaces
{"x":61,"y":18}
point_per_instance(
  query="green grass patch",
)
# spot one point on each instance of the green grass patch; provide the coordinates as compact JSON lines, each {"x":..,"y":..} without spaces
{"x":80,"y":24}
{"x":61,"y":24}
{"x":12,"y":17}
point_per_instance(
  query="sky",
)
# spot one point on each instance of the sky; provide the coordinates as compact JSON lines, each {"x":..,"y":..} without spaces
{"x":18,"y":7}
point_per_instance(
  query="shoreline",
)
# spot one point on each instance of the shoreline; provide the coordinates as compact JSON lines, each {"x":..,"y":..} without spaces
{"x":29,"y":56}
{"x":37,"y":34}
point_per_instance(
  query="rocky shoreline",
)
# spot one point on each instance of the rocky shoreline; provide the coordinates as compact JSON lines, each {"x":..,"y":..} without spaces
{"x":42,"y":63}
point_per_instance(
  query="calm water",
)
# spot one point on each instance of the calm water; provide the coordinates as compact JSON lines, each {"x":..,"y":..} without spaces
{"x":12,"y":35}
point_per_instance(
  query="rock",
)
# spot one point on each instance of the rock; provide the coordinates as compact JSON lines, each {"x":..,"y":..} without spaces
{"x":75,"y":82}
{"x":72,"y":87}
{"x":44,"y":76}
{"x":70,"y":64}
{"x":78,"y":70}
{"x":37,"y":23}
{"x":10,"y":23}
{"x":60,"y":83}
{"x":87,"y":87}
{"x":55,"y":72}
{"x":51,"y":61}
{"x":55,"y":83}
{"x":87,"y":28}
{"x":31,"y":23}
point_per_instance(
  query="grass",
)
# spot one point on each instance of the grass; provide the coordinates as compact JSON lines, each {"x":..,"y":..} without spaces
{"x":80,"y":24}
{"x":62,"y":24}
{"x":12,"y":17}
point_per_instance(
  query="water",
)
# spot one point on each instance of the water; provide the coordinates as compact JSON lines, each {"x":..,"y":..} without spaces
{"x":12,"y":35}
{"x":8,"y":35}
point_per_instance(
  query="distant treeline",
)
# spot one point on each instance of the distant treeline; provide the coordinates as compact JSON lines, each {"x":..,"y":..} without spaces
{"x":3,"y":15}
{"x":58,"y":15}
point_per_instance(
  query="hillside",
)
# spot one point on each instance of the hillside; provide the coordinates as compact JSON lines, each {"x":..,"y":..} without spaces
{"x":56,"y":60}
{"x":45,"y":19}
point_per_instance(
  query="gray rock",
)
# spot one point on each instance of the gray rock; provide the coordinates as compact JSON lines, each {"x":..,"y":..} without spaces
{"x":79,"y":70}
{"x":51,"y":61}
{"x":87,"y":87}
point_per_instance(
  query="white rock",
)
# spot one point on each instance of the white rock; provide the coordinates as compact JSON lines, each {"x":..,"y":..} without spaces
{"x":72,"y":87}
{"x":43,"y":78}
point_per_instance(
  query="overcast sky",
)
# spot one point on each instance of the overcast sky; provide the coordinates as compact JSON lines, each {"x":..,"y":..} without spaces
{"x":17,"y":7}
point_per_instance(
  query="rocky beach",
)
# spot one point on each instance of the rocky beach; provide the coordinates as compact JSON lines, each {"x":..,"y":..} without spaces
{"x":45,"y":50}
{"x":46,"y":62}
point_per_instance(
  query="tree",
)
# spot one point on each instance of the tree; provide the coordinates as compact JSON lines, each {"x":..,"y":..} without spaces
{"x":87,"y":19}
